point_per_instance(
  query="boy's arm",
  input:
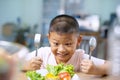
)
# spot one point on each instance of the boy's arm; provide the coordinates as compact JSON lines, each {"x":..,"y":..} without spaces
{"x":33,"y":64}
{"x":101,"y":69}
{"x":87,"y":66}
{"x":105,"y":67}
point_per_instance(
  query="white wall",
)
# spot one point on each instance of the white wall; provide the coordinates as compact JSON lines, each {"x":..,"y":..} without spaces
{"x":9,"y":10}
{"x":30,"y":11}
{"x":101,"y":7}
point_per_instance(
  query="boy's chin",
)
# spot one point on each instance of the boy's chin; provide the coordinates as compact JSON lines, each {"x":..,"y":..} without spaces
{"x":62,"y":60}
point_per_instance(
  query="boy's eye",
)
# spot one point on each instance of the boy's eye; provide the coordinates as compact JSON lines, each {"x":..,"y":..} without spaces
{"x":68,"y":44}
{"x":55,"y":43}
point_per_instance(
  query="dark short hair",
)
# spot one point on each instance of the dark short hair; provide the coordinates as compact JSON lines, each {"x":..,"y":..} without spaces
{"x":64,"y":24}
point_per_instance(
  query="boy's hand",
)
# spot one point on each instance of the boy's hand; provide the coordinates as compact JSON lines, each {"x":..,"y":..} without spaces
{"x":87,"y":66}
{"x":34,"y":63}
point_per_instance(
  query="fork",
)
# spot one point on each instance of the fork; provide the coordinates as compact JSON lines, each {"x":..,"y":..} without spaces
{"x":92,"y":44}
{"x":37,"y":42}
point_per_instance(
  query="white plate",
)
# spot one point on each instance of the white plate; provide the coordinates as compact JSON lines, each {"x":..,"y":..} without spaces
{"x":75,"y":77}
{"x":43,"y":72}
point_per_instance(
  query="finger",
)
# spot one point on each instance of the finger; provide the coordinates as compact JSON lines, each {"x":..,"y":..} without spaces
{"x":85,"y":66}
{"x":38,"y":58}
{"x":37,"y":62}
{"x":35,"y":66}
{"x":83,"y":63}
{"x":84,"y":70}
{"x":86,"y":62}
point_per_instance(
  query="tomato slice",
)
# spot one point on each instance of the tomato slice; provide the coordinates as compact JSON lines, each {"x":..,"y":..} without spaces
{"x":64,"y":76}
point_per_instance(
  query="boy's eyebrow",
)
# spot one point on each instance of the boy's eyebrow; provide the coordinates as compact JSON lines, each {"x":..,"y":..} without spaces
{"x":68,"y":40}
{"x":54,"y":39}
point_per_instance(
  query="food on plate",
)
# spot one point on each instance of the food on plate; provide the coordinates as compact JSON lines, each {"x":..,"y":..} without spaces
{"x":50,"y":76}
{"x":58,"y":72}
{"x":64,"y":76}
{"x":55,"y":70}
{"x":33,"y":75}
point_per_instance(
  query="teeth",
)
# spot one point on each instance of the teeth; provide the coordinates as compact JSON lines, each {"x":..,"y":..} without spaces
{"x":62,"y":54}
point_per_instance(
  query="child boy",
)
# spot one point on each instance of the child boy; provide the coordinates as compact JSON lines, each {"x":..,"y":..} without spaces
{"x":64,"y":38}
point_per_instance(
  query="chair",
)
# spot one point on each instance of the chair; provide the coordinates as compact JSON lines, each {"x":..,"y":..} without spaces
{"x":14,"y":48}
{"x":85,"y":42}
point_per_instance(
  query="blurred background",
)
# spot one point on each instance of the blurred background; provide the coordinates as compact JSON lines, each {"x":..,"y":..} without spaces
{"x":21,"y":19}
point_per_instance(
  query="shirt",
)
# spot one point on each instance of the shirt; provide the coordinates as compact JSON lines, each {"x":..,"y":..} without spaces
{"x":48,"y":57}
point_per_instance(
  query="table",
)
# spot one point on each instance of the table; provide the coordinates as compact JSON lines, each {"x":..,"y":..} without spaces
{"x":81,"y":75}
{"x":95,"y":77}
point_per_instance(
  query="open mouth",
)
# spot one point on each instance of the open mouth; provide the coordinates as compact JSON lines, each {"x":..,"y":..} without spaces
{"x":62,"y":54}
{"x":63,"y":57}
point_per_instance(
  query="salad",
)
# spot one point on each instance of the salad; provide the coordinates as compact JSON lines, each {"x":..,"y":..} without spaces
{"x":33,"y":75}
{"x":59,"y":72}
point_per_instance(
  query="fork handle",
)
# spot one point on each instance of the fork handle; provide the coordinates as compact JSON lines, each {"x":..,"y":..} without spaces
{"x":90,"y":55}
{"x":36,"y":51}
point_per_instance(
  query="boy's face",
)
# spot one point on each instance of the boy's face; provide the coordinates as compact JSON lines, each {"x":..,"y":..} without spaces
{"x":63,"y":46}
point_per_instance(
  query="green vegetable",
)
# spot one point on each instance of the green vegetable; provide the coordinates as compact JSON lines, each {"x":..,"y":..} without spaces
{"x":4,"y":66}
{"x":33,"y":75}
{"x":55,"y":70}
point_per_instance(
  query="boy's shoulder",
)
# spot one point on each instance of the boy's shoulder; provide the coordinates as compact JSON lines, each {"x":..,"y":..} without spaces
{"x":45,"y":53}
{"x":80,"y":51}
{"x":45,"y":49}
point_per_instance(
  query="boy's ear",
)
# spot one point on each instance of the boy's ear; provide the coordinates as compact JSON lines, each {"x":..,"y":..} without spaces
{"x":48,"y":36}
{"x":79,"y":40}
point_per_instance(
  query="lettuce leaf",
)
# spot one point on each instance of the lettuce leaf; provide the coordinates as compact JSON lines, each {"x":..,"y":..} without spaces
{"x":55,"y":70}
{"x":33,"y":75}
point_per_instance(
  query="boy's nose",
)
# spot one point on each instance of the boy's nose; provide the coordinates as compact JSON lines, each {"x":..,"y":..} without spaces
{"x":61,"y":48}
